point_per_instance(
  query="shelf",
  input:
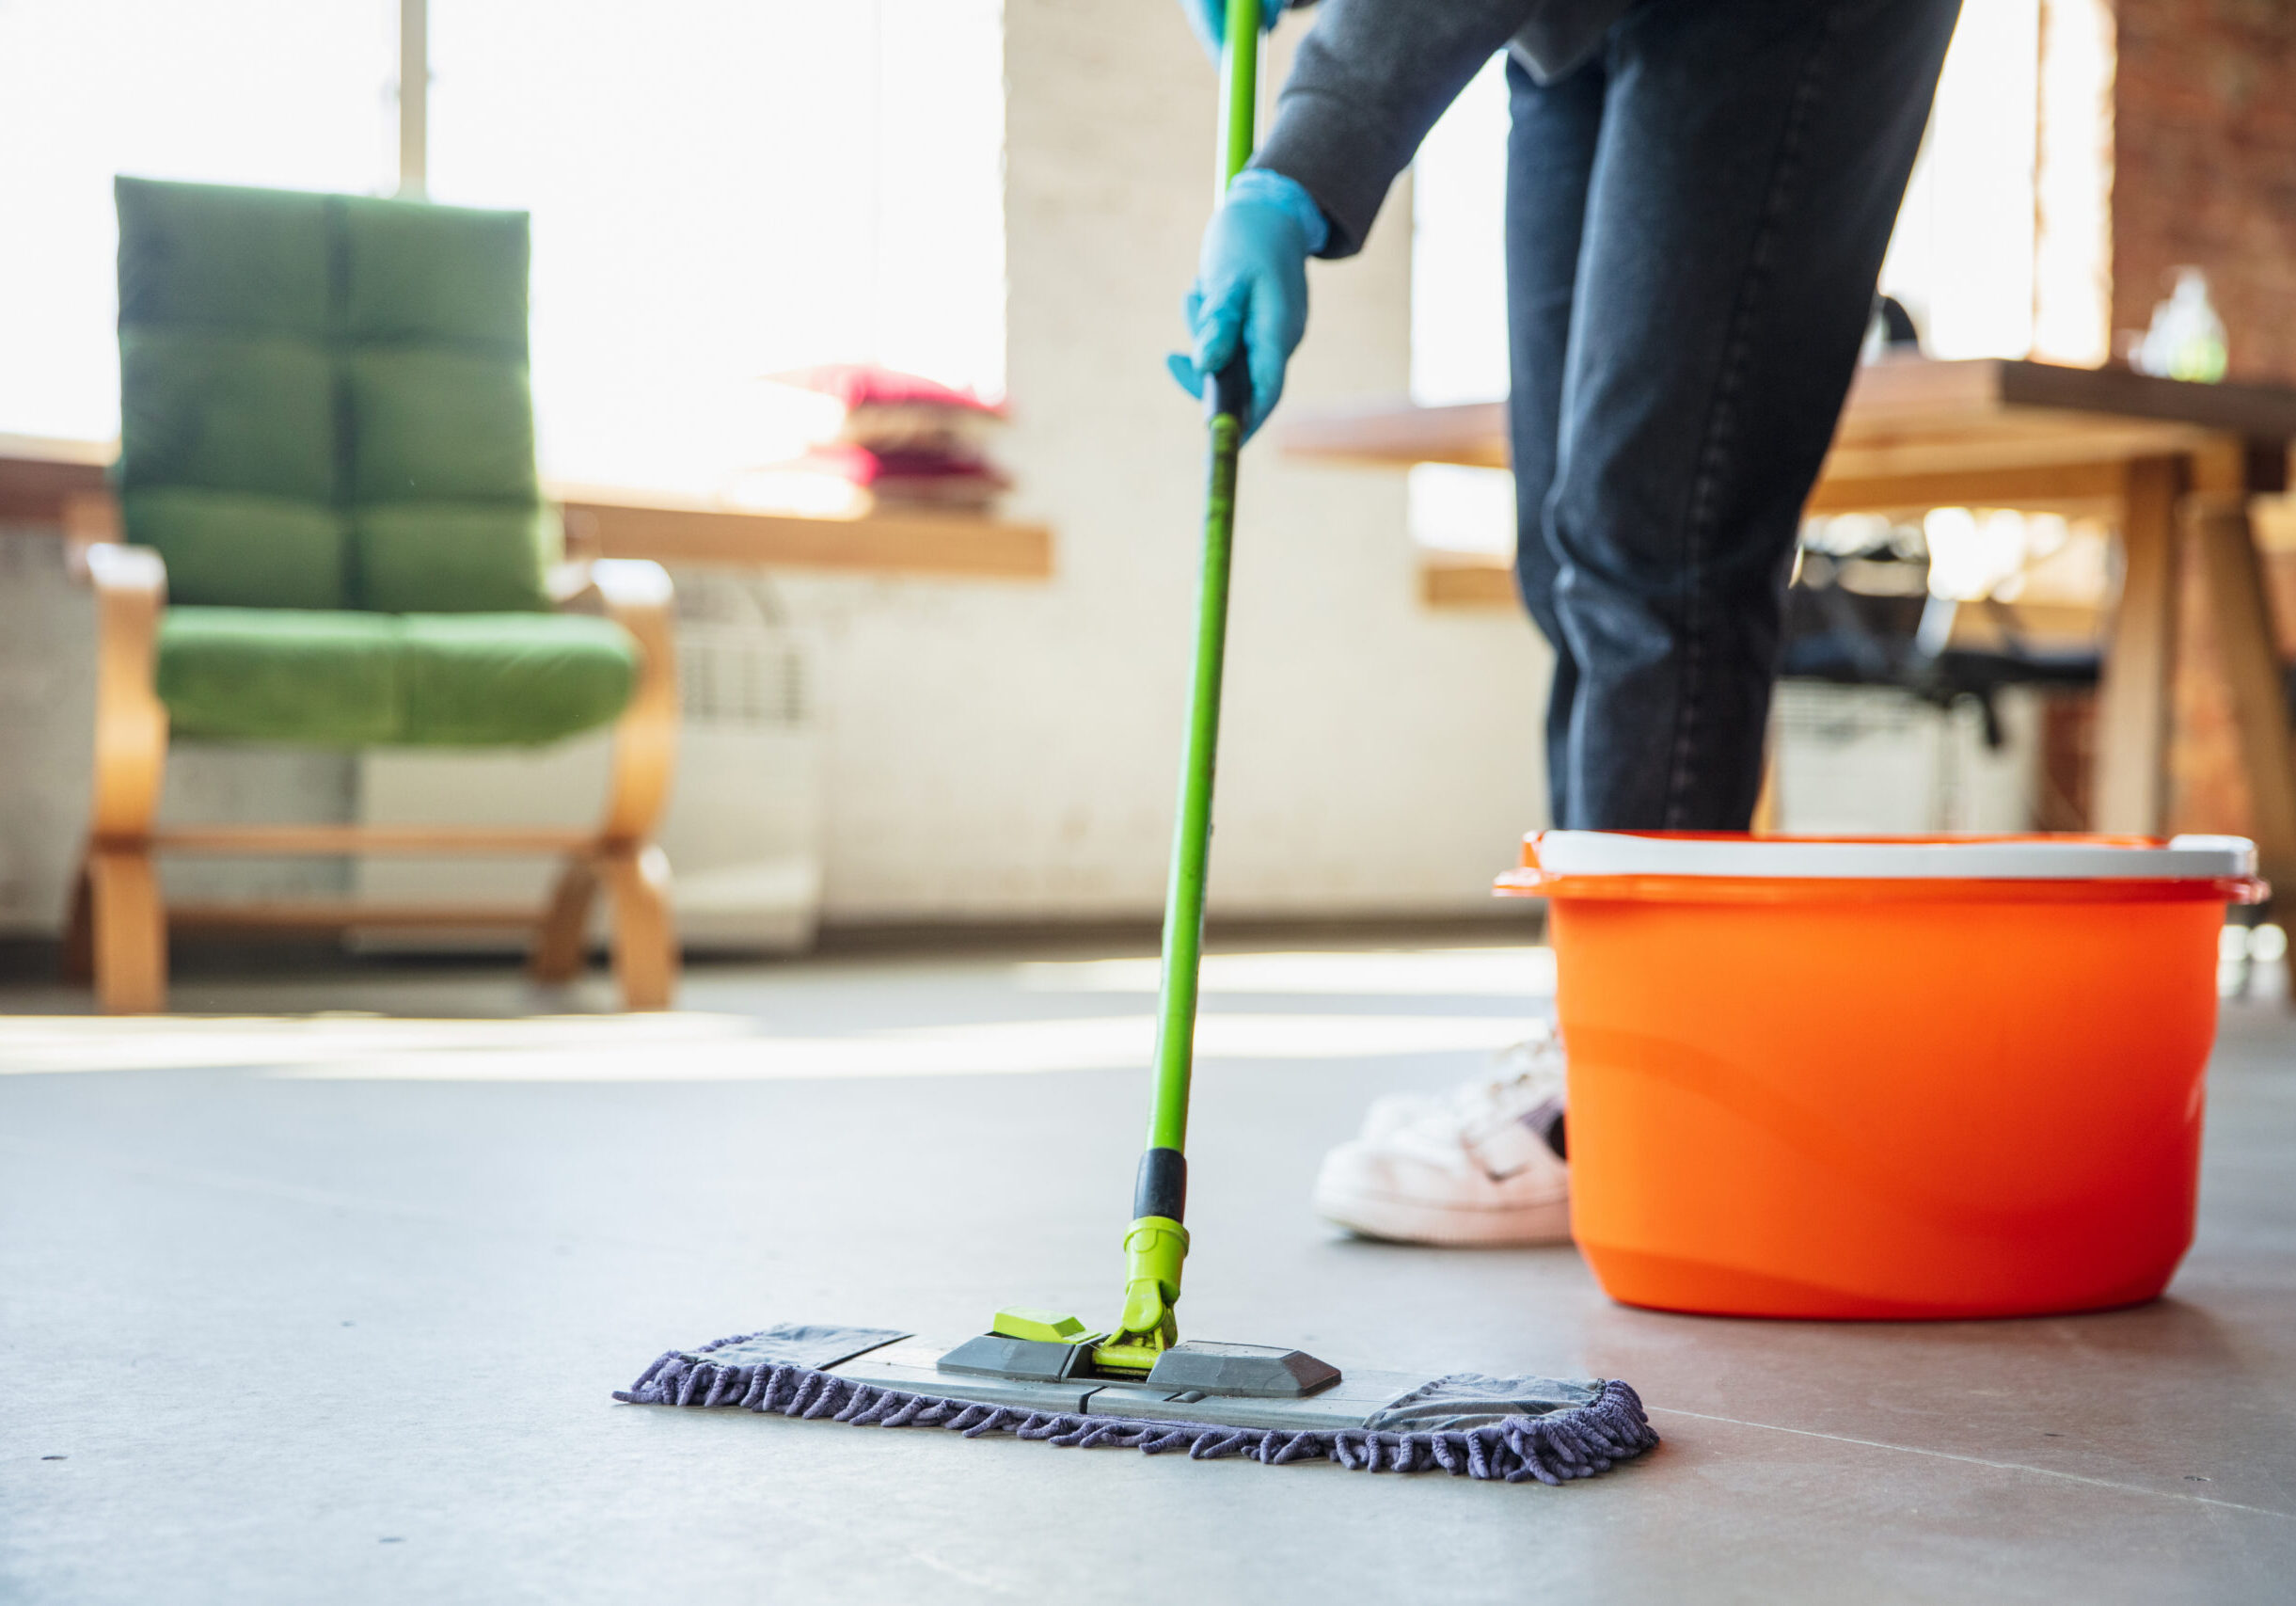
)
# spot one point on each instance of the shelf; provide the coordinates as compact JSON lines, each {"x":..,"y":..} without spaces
{"x":40,"y":476}
{"x":950,"y":545}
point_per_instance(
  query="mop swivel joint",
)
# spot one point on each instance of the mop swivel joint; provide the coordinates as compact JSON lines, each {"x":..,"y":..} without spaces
{"x":1154,"y":1247}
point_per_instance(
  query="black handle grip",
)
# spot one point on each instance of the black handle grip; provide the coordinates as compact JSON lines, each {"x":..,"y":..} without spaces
{"x":1231,"y":391}
{"x":1162,"y":1189}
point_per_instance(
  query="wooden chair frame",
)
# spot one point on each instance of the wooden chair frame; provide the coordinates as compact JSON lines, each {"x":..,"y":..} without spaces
{"x":117,"y":931}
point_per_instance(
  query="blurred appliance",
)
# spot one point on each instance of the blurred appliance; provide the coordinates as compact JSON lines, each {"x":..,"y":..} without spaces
{"x":1880,"y":723}
{"x":1872,"y":759}
{"x":743,"y":831}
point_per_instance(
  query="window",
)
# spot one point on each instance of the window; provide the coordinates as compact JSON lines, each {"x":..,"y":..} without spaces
{"x":291,"y":93}
{"x":725,"y":189}
{"x":1459,"y":309}
{"x":1962,"y":259}
{"x":721,"y":189}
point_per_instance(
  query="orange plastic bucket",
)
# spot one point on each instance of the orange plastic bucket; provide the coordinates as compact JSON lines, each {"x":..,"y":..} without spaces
{"x":1884,"y":1077}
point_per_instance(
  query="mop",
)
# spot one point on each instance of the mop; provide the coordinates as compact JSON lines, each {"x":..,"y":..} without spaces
{"x":1046,"y":1375}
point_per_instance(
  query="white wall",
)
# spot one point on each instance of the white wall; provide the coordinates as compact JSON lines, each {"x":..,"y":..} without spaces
{"x":1010,"y":751}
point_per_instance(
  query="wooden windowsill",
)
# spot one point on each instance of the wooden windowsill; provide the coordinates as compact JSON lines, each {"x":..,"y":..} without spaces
{"x":949,"y":544}
{"x":1466,"y":580}
{"x":40,"y":476}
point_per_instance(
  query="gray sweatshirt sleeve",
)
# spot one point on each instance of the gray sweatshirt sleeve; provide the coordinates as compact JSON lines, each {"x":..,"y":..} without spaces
{"x":1372,"y":76}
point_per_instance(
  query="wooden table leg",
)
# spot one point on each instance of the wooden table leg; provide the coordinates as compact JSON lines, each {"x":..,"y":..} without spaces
{"x":2133,"y":701}
{"x":1766,"y":802}
{"x":2239,"y":612}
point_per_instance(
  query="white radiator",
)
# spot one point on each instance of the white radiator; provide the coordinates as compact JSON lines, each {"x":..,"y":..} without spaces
{"x":743,"y":831}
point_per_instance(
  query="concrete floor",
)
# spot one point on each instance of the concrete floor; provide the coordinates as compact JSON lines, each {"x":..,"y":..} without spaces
{"x":330,"y":1309}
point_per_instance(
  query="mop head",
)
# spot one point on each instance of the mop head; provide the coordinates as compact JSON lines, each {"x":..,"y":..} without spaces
{"x":1515,"y":1429}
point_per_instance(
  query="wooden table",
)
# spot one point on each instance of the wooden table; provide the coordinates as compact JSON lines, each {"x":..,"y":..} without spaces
{"x":42,"y":481}
{"x":2170,"y":464}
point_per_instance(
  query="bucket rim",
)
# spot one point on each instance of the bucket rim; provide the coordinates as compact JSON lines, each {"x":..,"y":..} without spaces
{"x":1557,"y":863}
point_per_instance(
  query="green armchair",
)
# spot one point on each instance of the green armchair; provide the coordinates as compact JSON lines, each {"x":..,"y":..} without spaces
{"x":334,"y":535}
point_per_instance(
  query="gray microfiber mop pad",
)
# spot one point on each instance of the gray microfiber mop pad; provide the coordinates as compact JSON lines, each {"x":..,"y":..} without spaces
{"x":1514,"y":1428}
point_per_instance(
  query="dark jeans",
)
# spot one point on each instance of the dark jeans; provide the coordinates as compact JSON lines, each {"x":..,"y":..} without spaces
{"x":1695,"y":220}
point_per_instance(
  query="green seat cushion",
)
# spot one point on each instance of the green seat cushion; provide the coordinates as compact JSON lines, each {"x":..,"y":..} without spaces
{"x":282,"y":674}
{"x":454,"y":557}
{"x":449,"y":276}
{"x":434,"y":425}
{"x":227,"y":412}
{"x":359,"y":679}
{"x":479,"y":680}
{"x":239,"y":547}
{"x":256,"y":262}
{"x":325,"y":401}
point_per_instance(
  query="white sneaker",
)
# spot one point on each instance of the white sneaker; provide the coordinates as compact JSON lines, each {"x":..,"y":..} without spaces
{"x":1473,"y":1168}
{"x":1535,"y":1062}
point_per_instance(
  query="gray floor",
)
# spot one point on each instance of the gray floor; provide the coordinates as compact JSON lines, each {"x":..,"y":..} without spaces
{"x":330,"y":1311}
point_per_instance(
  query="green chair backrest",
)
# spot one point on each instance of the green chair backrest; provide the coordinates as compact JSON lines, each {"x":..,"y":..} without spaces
{"x":324,"y":401}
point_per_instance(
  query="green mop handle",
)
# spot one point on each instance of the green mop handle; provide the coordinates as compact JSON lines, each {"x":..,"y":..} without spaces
{"x":1157,"y":1243}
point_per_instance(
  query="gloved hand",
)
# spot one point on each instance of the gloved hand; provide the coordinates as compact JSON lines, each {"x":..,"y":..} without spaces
{"x":1208,"y":18}
{"x":1251,"y":287}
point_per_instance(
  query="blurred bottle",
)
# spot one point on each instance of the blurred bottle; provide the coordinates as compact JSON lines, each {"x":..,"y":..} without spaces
{"x":1891,"y":331}
{"x":2186,"y":337}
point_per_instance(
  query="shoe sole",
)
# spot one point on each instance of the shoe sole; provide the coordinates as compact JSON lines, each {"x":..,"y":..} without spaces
{"x":1405,"y":1221}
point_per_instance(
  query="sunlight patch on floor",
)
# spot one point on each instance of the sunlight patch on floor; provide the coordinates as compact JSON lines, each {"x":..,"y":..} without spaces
{"x":1520,"y":972}
{"x":682,"y":1048}
{"x":33,"y":1044}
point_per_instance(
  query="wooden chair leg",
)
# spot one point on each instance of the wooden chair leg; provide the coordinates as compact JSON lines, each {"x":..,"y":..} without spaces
{"x":558,"y":945}
{"x":117,"y":909}
{"x":637,"y":595}
{"x":77,"y":963}
{"x":645,"y":938}
{"x":129,"y":931}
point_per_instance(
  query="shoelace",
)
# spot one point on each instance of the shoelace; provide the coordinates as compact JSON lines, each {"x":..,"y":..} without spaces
{"x":1486,"y":1100}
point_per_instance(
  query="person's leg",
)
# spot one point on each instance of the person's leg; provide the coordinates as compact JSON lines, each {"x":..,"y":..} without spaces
{"x":1550,"y":160}
{"x":1485,"y":1165}
{"x":1751,"y":159}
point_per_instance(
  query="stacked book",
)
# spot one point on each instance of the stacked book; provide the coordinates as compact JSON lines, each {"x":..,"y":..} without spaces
{"x":881,"y":441}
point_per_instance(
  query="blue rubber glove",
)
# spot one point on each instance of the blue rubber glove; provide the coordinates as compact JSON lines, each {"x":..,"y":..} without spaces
{"x":1251,"y":287}
{"x":1208,"y":18}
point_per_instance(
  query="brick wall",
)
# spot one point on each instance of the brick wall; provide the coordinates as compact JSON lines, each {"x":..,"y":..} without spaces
{"x":2204,"y":167}
{"x":2205,"y":172}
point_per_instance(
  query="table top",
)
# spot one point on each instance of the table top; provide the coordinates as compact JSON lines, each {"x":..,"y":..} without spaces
{"x":1905,"y":417}
{"x":37,"y":475}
